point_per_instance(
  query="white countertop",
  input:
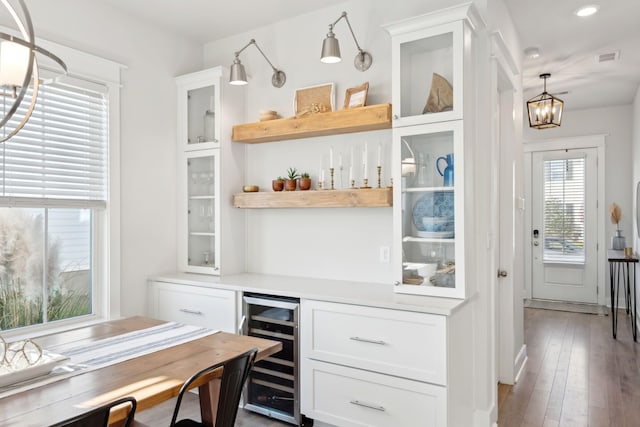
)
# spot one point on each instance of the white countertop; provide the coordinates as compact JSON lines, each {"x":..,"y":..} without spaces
{"x":367,"y":294}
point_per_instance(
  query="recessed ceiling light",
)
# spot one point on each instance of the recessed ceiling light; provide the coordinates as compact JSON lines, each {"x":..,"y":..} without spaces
{"x":587,"y":10}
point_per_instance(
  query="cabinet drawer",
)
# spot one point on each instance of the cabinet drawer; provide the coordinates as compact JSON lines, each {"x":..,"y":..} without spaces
{"x":406,"y":344}
{"x":351,"y":397}
{"x":206,"y":307}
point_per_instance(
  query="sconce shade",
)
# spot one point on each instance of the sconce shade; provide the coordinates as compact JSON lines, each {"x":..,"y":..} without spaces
{"x":545,"y":110}
{"x":238,"y":75}
{"x":330,"y":49}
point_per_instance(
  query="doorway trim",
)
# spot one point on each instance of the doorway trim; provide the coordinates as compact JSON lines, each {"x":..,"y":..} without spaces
{"x":598,"y":142}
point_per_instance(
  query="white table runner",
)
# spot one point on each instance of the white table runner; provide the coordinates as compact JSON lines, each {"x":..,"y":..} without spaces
{"x":85,"y":357}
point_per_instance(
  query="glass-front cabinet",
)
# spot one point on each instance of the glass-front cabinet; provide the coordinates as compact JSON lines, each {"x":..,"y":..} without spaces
{"x":429,"y":220}
{"x":202,"y":210}
{"x":432,"y":80}
{"x":209,"y":172}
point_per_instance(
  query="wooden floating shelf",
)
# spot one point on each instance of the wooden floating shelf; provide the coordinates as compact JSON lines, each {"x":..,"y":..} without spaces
{"x":371,"y":117}
{"x":350,"y":198}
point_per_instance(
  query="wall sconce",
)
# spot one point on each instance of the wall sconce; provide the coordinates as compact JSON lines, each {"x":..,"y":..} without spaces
{"x":19,"y":69}
{"x":238,"y":75}
{"x":331,"y":48}
{"x":545,"y":110}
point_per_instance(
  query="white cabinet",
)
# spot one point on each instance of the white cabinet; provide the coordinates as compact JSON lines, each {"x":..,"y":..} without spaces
{"x":373,"y":366}
{"x":194,"y":305}
{"x":210,"y":170}
{"x":433,"y":85}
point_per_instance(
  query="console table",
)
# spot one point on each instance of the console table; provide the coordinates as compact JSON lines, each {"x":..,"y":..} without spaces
{"x":622,"y":268}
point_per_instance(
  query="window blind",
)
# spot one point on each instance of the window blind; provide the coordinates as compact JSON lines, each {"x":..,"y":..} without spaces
{"x":61,"y":153}
{"x":564,"y":210}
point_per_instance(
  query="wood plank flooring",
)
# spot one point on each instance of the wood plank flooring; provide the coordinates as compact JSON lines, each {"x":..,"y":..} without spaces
{"x":576,"y":375}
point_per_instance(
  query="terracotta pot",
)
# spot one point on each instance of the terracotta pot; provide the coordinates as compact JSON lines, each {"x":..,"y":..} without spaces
{"x":290,"y":184}
{"x":305,"y":183}
{"x":277,"y":185}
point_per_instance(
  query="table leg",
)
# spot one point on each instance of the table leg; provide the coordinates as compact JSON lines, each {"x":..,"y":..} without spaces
{"x":634,"y":311}
{"x":627,"y":286}
{"x":209,"y":394}
{"x":612,"y":293}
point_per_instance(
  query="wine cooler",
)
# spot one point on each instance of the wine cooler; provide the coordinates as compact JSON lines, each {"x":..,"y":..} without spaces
{"x":272,"y":388}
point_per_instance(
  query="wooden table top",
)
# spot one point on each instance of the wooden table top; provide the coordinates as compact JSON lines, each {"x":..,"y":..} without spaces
{"x":151,"y":378}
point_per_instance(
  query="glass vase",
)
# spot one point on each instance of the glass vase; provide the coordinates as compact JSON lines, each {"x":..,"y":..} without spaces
{"x":618,"y":241}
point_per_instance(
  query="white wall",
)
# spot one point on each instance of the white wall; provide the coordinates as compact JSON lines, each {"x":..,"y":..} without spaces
{"x":152,"y":58}
{"x":635,"y":154}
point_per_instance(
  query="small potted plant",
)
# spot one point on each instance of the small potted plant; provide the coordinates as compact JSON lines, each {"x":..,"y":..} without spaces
{"x":278,"y":184}
{"x":304,"y":182}
{"x":291,"y":182}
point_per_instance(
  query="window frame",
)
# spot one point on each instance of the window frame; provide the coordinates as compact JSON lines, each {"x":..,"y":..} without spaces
{"x":106,"y":221}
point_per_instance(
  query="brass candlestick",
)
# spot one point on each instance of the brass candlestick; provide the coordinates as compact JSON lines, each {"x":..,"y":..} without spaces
{"x":331,"y":172}
{"x":365,"y":183}
{"x":353,"y":183}
{"x":390,"y":183}
{"x":379,"y":176}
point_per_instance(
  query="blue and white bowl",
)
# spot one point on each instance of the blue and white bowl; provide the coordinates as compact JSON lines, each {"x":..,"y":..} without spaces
{"x":436,"y":204}
{"x":437,"y":223}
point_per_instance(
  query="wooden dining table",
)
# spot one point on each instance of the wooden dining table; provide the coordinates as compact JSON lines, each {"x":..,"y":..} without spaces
{"x":152,"y":378}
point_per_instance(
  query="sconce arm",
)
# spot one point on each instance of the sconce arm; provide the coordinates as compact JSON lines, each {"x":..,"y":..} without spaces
{"x":344,"y":15}
{"x":253,"y":42}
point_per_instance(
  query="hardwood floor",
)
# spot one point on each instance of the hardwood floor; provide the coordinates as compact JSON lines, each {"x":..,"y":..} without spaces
{"x":576,"y":375}
{"x":160,"y":415}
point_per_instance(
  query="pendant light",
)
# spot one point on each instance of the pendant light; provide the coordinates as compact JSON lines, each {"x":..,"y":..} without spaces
{"x":238,"y":75}
{"x":331,"y":48}
{"x":545,"y":110}
{"x":19,"y":69}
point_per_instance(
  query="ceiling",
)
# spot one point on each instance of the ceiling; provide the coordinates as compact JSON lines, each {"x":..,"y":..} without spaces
{"x":569,"y":46}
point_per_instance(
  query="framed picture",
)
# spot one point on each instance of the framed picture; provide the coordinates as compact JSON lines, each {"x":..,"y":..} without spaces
{"x":314,"y":99}
{"x":356,"y":96}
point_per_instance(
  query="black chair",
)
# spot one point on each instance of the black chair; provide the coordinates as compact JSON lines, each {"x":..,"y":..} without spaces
{"x":234,"y":375}
{"x":99,"y":417}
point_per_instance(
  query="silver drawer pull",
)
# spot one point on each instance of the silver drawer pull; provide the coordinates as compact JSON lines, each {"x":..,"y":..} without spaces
{"x":379,"y":342}
{"x":186,"y":310}
{"x":368,"y":405}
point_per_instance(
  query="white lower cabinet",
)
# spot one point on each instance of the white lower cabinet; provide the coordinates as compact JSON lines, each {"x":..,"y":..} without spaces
{"x":345,"y":396}
{"x":367,"y":366}
{"x":193,"y":305}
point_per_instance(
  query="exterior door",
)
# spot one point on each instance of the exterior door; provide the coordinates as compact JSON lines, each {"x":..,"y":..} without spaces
{"x":564,"y":225}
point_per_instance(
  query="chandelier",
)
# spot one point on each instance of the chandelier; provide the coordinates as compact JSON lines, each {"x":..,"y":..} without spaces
{"x":545,"y":110}
{"x":19,"y":69}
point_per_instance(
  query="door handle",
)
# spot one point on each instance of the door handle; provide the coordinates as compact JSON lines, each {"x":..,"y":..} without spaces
{"x":502,"y":273}
{"x":536,"y":243}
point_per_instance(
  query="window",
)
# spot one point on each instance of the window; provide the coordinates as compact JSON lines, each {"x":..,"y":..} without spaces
{"x":564,"y":210}
{"x":52,"y":190}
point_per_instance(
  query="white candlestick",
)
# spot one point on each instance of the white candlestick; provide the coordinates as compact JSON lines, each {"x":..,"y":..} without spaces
{"x":364,"y":162}
{"x":331,"y":157}
{"x":350,"y":174}
{"x":321,"y":175}
{"x":379,"y":155}
{"x":340,"y":161}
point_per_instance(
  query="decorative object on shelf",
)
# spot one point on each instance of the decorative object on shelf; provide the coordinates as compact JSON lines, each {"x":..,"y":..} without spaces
{"x":433,"y":215}
{"x":19,"y":69}
{"x":408,"y":163}
{"x":278,"y":184}
{"x":440,"y":96}
{"x":628,"y":252}
{"x":331,"y":48}
{"x":356,"y":96}
{"x":291,"y":182}
{"x":304,"y":183}
{"x":314,"y":99}
{"x":268,"y":115}
{"x":250,"y":189}
{"x":238,"y":75}
{"x":424,"y":178}
{"x":445,"y":277}
{"x":545,"y":110}
{"x":618,"y":242}
{"x":447,"y":174}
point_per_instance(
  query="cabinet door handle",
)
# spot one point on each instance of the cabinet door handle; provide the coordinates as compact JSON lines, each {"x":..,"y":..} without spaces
{"x":186,"y":310}
{"x":379,"y":342}
{"x":240,"y":328}
{"x":368,"y":405}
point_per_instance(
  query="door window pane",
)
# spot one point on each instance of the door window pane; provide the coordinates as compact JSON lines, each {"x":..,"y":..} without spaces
{"x":564,"y":210}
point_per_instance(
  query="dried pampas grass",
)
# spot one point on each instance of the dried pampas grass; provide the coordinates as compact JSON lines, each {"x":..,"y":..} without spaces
{"x":616,"y":213}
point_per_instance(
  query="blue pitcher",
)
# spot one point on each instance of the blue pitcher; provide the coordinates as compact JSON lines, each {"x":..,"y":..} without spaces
{"x":448,"y":170}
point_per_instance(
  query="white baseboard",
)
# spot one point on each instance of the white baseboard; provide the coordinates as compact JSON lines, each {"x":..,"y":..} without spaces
{"x":484,"y":418}
{"x":520,"y":362}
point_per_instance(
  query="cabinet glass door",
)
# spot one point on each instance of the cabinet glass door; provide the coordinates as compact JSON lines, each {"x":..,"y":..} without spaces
{"x":202,"y":212}
{"x":201,"y":116}
{"x":430,"y":214}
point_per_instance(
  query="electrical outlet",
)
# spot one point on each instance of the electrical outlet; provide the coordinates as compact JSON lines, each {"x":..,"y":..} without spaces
{"x":385,"y":253}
